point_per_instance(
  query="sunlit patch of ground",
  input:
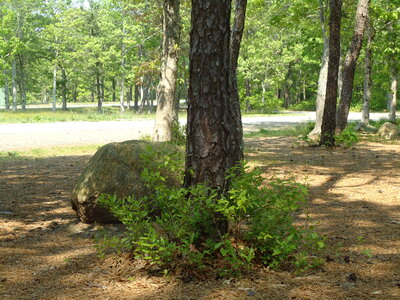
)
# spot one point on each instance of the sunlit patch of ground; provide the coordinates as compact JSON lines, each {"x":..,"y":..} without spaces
{"x":354,"y":201}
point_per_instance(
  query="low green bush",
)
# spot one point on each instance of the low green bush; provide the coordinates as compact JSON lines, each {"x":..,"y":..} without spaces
{"x":347,"y":137}
{"x":168,"y":226}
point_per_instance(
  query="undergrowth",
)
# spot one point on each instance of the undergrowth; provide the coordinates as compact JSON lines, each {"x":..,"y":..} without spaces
{"x":168,"y":226}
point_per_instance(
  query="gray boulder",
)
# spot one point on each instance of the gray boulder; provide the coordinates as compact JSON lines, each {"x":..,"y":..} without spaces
{"x":389,"y":131}
{"x":115,"y":170}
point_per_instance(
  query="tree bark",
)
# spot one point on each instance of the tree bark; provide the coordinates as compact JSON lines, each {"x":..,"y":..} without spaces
{"x":393,"y":88}
{"x":350,"y":65}
{"x":167,"y":114}
{"x":329,"y":116}
{"x":323,"y":76}
{"x":367,"y":74}
{"x":14,"y":84}
{"x":211,"y":117}
{"x":64,"y":89}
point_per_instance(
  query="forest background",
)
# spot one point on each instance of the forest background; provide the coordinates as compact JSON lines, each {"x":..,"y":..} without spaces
{"x":64,"y":51}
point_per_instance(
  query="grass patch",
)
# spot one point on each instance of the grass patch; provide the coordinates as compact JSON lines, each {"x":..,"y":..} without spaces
{"x":256,"y":113}
{"x":295,"y":130}
{"x":49,"y":152}
{"x":46,"y":115}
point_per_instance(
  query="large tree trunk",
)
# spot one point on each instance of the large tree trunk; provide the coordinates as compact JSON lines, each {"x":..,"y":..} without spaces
{"x":211,"y":117}
{"x":64,"y":89}
{"x":367,"y":75}
{"x":350,"y":65}
{"x":393,"y":88}
{"x":54,"y":107}
{"x":323,"y":76}
{"x":167,"y":114}
{"x":14,"y":84}
{"x":329,"y":116}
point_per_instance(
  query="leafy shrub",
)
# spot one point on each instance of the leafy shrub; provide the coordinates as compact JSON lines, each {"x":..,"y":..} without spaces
{"x":175,"y":227}
{"x":347,"y":138}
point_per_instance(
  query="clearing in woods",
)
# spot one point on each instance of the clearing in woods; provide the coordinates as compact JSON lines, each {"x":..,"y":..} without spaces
{"x":46,"y":253}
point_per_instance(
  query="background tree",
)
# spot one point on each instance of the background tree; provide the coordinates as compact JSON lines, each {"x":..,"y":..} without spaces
{"x":349,"y":67}
{"x":329,"y":117}
{"x":167,"y":114}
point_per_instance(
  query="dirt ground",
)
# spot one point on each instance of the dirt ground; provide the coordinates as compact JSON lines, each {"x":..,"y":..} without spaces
{"x":46,"y":253}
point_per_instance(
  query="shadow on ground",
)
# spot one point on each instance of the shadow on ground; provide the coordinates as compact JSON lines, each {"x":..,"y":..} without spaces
{"x":354,"y":199}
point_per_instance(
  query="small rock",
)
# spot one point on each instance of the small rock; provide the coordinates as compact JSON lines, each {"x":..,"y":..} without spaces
{"x":347,"y":285}
{"x":352,"y":277}
{"x":281,"y":285}
{"x":251,"y":293}
{"x":376,"y":293}
{"x":6,"y":212}
{"x":329,"y":259}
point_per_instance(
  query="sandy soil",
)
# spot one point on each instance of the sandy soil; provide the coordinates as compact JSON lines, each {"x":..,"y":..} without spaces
{"x":46,"y":253}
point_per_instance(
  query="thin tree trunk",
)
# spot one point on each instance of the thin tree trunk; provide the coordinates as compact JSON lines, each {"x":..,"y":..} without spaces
{"x":247,"y":87}
{"x":22,"y":85}
{"x":129,"y":97}
{"x":99,"y":102}
{"x":350,"y":65}
{"x":234,"y":47}
{"x":54,"y":107}
{"x":142,"y":97}
{"x":114,"y":88}
{"x":136,"y":104}
{"x":393,"y":88}
{"x":64,"y":89}
{"x":6,"y":92}
{"x":367,"y":74}
{"x":329,"y":116}
{"x":14,"y":84}
{"x":122,"y":95}
{"x":102,"y":89}
{"x":167,"y":114}
{"x":323,"y":76}
{"x":75,"y":93}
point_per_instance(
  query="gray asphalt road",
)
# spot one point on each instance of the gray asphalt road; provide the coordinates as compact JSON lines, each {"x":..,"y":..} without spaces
{"x":40,"y":135}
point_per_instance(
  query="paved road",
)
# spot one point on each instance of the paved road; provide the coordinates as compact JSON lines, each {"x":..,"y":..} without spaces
{"x":39,"y":135}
